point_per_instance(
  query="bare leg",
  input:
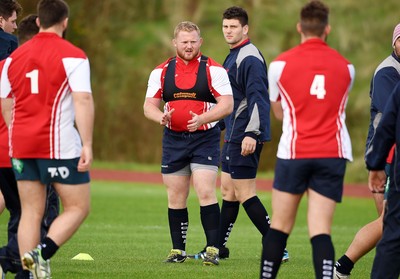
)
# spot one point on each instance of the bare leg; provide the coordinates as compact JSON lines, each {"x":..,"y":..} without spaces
{"x":177,"y":190}
{"x":205,"y":183}
{"x":33,"y":200}
{"x":227,"y":187}
{"x":365,"y":239}
{"x":244,"y":189}
{"x":320,"y":213}
{"x":379,"y":202}
{"x":76,"y":206}
{"x":320,"y":216}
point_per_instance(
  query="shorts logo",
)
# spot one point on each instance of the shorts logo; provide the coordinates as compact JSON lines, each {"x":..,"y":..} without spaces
{"x":60,"y":171}
{"x":18,"y":165}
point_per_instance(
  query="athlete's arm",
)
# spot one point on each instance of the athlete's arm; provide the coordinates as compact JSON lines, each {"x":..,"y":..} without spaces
{"x":274,"y":74}
{"x":152,"y":111}
{"x":6,"y":108}
{"x":277,"y":109}
{"x":223,"y":108}
{"x":5,"y":89}
{"x":84,"y":119}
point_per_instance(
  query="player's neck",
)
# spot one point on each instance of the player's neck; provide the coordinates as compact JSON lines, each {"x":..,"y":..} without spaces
{"x":53,"y":29}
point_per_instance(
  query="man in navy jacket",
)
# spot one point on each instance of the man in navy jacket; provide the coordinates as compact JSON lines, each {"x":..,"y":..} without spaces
{"x":387,"y":133}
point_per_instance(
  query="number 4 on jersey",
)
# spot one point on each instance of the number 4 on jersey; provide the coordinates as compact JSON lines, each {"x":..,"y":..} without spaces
{"x":34,"y":77}
{"x":318,"y":87}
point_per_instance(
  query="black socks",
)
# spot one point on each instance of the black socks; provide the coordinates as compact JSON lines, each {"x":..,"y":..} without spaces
{"x":178,"y":226}
{"x":229,"y":213}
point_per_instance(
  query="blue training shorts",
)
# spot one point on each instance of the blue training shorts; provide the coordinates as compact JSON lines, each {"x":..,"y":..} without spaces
{"x":183,"y":148}
{"x":238,"y":166}
{"x":48,"y":171}
{"x":324,"y":175}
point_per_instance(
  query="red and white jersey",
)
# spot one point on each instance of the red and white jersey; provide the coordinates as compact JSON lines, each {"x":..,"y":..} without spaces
{"x":41,"y":75}
{"x":312,"y":81}
{"x":5,"y":161}
{"x":185,"y":78}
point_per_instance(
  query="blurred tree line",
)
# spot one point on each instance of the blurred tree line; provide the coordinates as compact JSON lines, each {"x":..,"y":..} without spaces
{"x":126,"y":39}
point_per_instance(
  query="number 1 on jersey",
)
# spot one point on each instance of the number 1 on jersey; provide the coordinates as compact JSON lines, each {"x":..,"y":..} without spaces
{"x":318,"y":87}
{"x":34,"y":77}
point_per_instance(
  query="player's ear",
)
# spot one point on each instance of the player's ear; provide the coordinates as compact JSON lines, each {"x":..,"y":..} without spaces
{"x":327,"y":29}
{"x":298,"y":27}
{"x":38,"y":22}
{"x":65,"y":23}
{"x":245,"y":29}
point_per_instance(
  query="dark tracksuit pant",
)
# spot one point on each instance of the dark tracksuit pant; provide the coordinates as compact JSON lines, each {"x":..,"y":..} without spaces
{"x":387,"y":258}
{"x":9,"y":254}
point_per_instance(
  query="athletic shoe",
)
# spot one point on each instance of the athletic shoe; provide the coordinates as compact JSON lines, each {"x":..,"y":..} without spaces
{"x":338,"y":275}
{"x":176,"y":256}
{"x":285,"y":257}
{"x":198,"y":256}
{"x":2,"y":274}
{"x":212,"y":256}
{"x":39,"y":268}
{"x":223,"y":254}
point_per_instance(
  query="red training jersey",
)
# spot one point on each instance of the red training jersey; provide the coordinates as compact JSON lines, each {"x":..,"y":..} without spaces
{"x":312,"y":82}
{"x":41,"y":75}
{"x":185,"y":78}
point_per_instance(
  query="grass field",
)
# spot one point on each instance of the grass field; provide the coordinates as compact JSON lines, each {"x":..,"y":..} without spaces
{"x":127,"y":235}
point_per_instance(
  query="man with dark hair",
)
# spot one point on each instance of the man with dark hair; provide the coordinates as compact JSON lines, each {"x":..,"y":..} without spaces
{"x":9,"y":11}
{"x":27,"y":28}
{"x":309,"y":86}
{"x":9,"y":254}
{"x":57,"y":153}
{"x":247,"y":128}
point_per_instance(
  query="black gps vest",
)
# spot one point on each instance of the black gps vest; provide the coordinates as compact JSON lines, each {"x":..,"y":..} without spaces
{"x":199,"y":92}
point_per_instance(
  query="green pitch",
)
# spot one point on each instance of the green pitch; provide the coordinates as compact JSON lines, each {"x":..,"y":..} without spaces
{"x":127,"y":235}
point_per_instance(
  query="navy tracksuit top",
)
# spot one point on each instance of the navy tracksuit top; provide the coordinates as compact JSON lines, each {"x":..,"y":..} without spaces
{"x":247,"y":71}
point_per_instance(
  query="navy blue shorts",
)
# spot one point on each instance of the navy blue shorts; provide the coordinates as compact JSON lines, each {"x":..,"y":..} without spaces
{"x":50,"y":171}
{"x":324,"y":175}
{"x":182,"y":148}
{"x":238,"y":166}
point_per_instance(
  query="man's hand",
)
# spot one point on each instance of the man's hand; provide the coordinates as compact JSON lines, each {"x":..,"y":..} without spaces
{"x":195,"y":122}
{"x":248,"y":146}
{"x":376,"y":181}
{"x":166,"y":118}
{"x":86,"y":159}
